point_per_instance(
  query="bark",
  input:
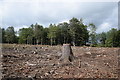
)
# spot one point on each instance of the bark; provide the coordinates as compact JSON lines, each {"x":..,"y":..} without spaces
{"x":41,"y":41}
{"x":54,"y":41}
{"x":51,"y":41}
{"x":37,"y":41}
{"x":67,"y":54}
{"x":64,"y":39}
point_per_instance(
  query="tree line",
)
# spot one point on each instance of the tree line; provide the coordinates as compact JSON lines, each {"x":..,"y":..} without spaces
{"x":74,"y":32}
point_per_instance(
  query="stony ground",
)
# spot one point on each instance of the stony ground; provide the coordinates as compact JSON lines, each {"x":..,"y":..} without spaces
{"x":36,"y":61}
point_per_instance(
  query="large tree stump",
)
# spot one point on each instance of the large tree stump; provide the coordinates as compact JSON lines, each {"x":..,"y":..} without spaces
{"x":67,"y":54}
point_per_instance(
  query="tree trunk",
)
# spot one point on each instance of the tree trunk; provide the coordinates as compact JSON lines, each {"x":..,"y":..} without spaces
{"x":51,"y":41}
{"x":41,"y":41}
{"x":67,"y":54}
{"x":27,"y":41}
{"x":54,"y":42}
{"x":37,"y":41}
{"x":73,"y":43}
{"x":64,"y":39}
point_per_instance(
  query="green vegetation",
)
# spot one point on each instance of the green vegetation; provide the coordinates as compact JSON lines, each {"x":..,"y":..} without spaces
{"x":73,"y":32}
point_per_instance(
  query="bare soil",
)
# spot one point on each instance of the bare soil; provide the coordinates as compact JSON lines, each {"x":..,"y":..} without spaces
{"x":39,"y":61}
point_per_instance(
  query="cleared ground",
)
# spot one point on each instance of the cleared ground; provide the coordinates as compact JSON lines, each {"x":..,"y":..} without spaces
{"x":37,"y":61}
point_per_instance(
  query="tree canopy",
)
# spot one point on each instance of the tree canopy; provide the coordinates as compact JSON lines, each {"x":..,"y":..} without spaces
{"x":74,"y":32}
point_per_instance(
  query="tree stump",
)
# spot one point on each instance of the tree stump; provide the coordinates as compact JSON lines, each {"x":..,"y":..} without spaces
{"x":67,"y":54}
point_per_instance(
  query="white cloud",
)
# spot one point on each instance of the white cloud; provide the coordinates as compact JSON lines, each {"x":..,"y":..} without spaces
{"x":65,"y":20}
{"x":113,"y":18}
{"x":26,"y":12}
{"x":104,"y":27}
{"x":60,"y":0}
{"x":110,"y":22}
{"x":23,"y":26}
{"x":1,"y":13}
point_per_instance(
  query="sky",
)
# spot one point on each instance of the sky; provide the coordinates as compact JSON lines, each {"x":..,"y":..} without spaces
{"x":23,"y":13}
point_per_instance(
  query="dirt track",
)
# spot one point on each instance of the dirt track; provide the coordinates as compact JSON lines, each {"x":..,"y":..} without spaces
{"x":43,"y":62}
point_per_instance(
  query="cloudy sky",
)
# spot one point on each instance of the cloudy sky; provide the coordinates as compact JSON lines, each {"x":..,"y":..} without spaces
{"x":23,"y":13}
